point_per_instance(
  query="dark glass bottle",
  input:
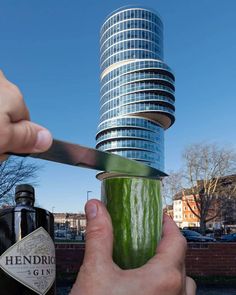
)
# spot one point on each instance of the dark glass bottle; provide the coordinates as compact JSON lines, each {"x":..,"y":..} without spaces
{"x":27,"y":252}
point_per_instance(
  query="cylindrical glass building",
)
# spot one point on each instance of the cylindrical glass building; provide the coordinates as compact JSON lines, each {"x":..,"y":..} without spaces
{"x":137,"y":87}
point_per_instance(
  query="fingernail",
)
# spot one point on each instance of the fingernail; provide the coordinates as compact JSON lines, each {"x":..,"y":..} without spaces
{"x":44,"y":139}
{"x":91,"y":210}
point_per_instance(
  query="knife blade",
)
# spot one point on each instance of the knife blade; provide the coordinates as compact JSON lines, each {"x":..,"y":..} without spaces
{"x":86,"y":157}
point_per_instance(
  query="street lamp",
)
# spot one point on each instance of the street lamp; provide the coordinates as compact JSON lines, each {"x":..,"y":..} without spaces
{"x":88,"y":195}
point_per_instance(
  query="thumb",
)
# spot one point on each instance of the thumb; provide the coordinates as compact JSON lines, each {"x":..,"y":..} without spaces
{"x":24,"y":137}
{"x":99,"y":237}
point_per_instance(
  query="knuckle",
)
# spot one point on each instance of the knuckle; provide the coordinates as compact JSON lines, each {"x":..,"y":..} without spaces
{"x":16,"y":91}
{"x":12,"y":88}
{"x":11,"y":92}
{"x":181,"y":241}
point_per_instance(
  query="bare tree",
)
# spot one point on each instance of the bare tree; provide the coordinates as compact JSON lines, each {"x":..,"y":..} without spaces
{"x":206,"y":166}
{"x":12,"y":172}
{"x":171,"y":185}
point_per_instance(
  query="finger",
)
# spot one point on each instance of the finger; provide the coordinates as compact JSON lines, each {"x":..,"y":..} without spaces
{"x":1,"y":74}
{"x":99,"y":237}
{"x":11,"y":101}
{"x":172,"y":246}
{"x":23,"y":137}
{"x":191,"y":286}
{"x":172,"y":243}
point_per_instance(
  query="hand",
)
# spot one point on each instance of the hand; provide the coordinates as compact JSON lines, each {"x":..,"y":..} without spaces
{"x":164,"y":274}
{"x":17,"y":133}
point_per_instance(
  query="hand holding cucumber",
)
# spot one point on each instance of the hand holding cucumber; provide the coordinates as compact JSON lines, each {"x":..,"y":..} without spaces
{"x":164,"y":274}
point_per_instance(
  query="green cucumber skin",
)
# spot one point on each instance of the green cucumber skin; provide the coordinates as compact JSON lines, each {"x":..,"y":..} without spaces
{"x":135,"y":207}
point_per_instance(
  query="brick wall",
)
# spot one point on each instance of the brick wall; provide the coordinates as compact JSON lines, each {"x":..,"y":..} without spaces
{"x":211,"y":259}
{"x":205,"y":259}
{"x":69,"y":257}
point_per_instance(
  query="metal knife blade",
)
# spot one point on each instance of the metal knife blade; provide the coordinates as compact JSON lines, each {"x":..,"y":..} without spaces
{"x":78,"y":155}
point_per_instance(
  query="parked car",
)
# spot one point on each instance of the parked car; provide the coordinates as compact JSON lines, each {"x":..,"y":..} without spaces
{"x":62,"y":235}
{"x":193,"y":236}
{"x":209,"y":231}
{"x":228,"y":238}
{"x":193,"y":228}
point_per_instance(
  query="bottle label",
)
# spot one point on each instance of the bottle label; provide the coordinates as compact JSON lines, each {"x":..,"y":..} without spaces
{"x":31,"y":261}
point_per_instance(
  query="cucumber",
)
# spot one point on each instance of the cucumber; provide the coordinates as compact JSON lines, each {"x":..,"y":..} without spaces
{"x":135,"y":207}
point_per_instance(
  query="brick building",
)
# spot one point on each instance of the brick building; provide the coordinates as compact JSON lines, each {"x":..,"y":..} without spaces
{"x":182,"y":214}
{"x":223,"y":206}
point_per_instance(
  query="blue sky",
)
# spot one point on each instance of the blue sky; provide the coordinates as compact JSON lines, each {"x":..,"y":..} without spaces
{"x":50,"y":49}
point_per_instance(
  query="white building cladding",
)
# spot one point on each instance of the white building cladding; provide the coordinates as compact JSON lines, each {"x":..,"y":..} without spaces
{"x":137,"y":87}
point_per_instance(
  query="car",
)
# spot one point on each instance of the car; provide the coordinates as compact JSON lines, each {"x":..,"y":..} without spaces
{"x":62,"y":235}
{"x":208,"y":231}
{"x":193,"y":236}
{"x":193,"y":228}
{"x":228,"y":238}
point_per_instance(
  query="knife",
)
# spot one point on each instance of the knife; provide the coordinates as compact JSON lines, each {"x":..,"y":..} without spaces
{"x":78,"y":155}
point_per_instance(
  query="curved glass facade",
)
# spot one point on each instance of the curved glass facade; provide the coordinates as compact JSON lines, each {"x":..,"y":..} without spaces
{"x":137,"y":88}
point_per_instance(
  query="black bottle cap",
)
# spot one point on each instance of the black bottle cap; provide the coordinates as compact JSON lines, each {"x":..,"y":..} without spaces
{"x":24,"y":191}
